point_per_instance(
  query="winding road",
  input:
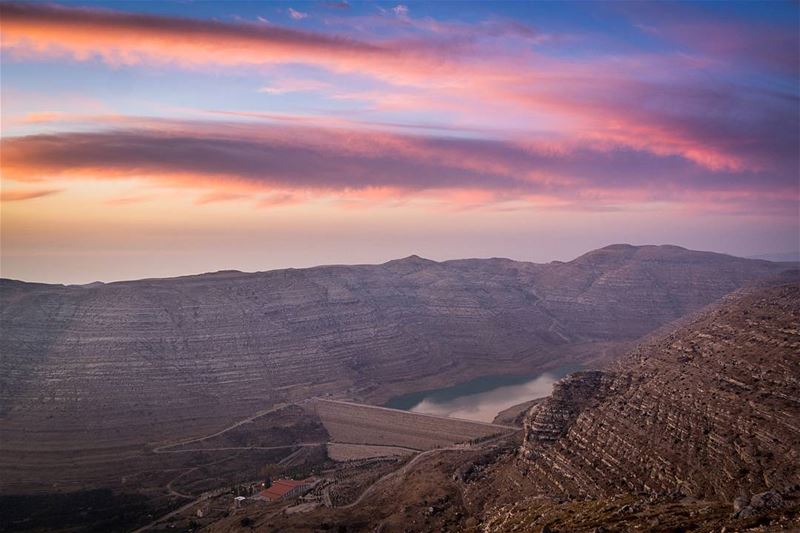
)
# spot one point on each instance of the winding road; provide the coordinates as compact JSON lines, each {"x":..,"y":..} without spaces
{"x":365,"y":494}
{"x":259,"y":414}
{"x":402,"y":471}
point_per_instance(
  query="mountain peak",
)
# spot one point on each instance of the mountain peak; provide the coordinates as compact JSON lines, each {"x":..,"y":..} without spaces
{"x":411,"y":260}
{"x":614,"y":253}
{"x":416,"y":259}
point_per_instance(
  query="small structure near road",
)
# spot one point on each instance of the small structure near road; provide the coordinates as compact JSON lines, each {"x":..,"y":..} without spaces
{"x":282,"y":489}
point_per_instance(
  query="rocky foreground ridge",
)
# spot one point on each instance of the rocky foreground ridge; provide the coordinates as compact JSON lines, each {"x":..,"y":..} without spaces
{"x":86,"y":371}
{"x":711,"y":411}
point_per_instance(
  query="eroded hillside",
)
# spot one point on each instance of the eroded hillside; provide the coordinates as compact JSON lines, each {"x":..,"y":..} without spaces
{"x":696,"y":430}
{"x":96,"y":371}
{"x":711,"y":410}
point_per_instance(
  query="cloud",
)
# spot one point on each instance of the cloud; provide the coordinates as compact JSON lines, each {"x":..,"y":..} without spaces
{"x":219,"y":196}
{"x":297,"y":15}
{"x":400,"y":10}
{"x":278,"y":199}
{"x":118,"y":38}
{"x":39,"y":30}
{"x":667,"y":104}
{"x":129,"y":200}
{"x":292,"y":85}
{"x":20,"y":195}
{"x":756,"y":41}
{"x":233,"y":159}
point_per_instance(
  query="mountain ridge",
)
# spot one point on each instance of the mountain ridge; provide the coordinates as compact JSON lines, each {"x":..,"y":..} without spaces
{"x":413,"y":258}
{"x":133,"y":362}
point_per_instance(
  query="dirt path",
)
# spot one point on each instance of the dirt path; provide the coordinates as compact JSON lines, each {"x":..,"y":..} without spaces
{"x":183,"y":508}
{"x":366,"y":493}
{"x":205,"y":496}
{"x":401,"y":471}
{"x":291,"y":456}
{"x":163,"y":448}
{"x":166,"y":516}
{"x":239,"y":448}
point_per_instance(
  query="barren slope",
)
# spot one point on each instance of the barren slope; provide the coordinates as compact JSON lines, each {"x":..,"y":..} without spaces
{"x":663,"y":441}
{"x":712,"y":410}
{"x":106,"y":369}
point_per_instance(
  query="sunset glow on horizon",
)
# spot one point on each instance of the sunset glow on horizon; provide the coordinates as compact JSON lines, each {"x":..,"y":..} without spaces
{"x":144,"y":139}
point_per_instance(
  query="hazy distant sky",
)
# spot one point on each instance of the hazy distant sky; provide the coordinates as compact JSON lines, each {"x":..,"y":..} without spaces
{"x":152,"y":139}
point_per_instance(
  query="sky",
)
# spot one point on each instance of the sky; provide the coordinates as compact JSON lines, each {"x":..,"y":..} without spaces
{"x":152,"y":139}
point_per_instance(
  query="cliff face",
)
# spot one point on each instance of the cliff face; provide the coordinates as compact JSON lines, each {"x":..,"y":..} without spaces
{"x":123,"y":364}
{"x":551,"y":419}
{"x":711,"y":410}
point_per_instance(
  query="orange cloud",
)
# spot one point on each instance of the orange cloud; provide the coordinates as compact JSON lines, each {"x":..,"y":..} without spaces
{"x":18,"y":196}
{"x":600,"y":103}
{"x":291,"y":163}
{"x":219,"y":196}
{"x":37,"y":30}
{"x":128,"y":200}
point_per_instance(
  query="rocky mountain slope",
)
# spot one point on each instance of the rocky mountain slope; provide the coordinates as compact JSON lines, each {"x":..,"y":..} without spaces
{"x":712,"y":410}
{"x":697,"y":429}
{"x":89,"y":370}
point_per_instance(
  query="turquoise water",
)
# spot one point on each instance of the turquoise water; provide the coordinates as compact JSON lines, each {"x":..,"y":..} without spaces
{"x":481,"y":398}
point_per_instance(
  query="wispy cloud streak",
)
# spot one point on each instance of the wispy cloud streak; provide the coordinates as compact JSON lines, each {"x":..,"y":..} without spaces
{"x":20,"y":195}
{"x":46,"y":30}
{"x":234,"y":158}
{"x":661,"y":103}
{"x":610,"y":128}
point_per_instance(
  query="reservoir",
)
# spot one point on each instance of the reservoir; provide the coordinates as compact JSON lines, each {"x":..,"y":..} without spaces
{"x":481,"y":398}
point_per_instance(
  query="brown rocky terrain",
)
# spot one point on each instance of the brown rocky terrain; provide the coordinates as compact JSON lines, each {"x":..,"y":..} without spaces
{"x":711,"y":410}
{"x":101,"y":373}
{"x":694,"y":430}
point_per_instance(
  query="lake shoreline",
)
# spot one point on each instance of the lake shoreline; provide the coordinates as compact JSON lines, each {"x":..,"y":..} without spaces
{"x":482,"y":398}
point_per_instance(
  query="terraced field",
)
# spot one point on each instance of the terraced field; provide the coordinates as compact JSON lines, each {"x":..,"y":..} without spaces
{"x":354,"y":423}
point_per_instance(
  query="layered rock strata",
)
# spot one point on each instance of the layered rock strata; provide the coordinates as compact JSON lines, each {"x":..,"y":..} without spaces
{"x":711,"y":410}
{"x":100,"y":370}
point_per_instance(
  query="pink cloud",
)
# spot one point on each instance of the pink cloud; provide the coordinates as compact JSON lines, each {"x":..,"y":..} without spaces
{"x":639,"y":102}
{"x":38,"y":30}
{"x":292,"y":85}
{"x":233,"y":160}
{"x":278,"y":199}
{"x":219,"y":196}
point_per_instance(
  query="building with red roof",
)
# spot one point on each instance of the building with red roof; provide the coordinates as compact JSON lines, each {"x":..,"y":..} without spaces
{"x":286,"y":488}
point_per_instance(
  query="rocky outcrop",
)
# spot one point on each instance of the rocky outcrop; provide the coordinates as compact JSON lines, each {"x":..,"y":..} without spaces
{"x":550,"y":420}
{"x":711,"y":410}
{"x":744,"y":507}
{"x":85,"y":370}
